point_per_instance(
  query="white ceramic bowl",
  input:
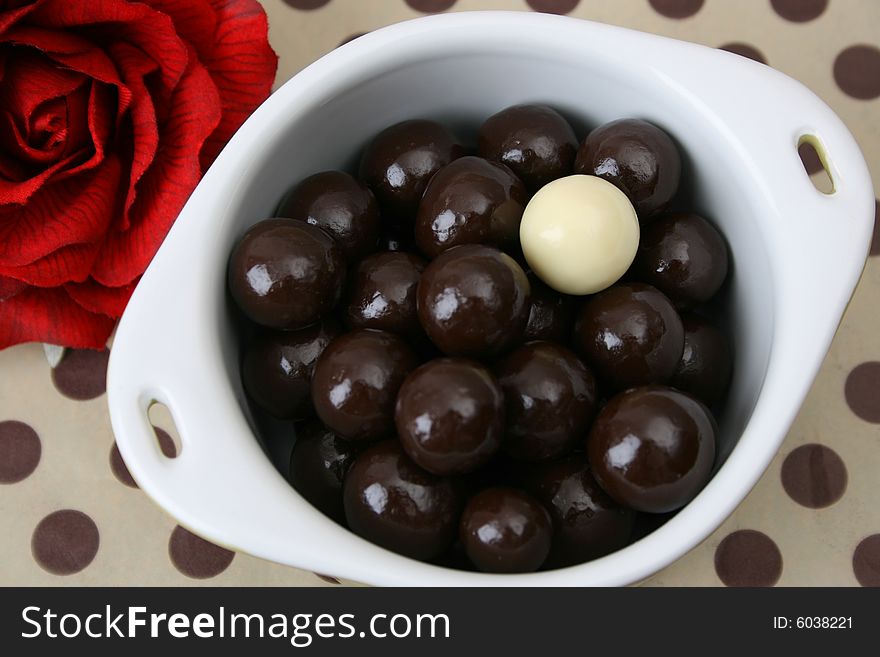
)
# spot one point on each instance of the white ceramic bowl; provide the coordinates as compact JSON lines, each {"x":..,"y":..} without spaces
{"x":797,"y":255}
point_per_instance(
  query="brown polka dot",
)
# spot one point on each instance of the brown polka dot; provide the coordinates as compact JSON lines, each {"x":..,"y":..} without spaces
{"x":327,"y":578}
{"x":430,"y":6}
{"x":306,"y":4}
{"x":745,"y":50}
{"x":814,"y":476}
{"x":677,"y":8}
{"x":810,"y":158}
{"x":857,"y":72}
{"x":166,"y":443}
{"x":82,"y":374}
{"x":866,"y":561}
{"x":351,"y":38}
{"x":799,"y":11}
{"x":65,"y":542}
{"x":862,"y":391}
{"x":553,"y":6}
{"x":20,"y":451}
{"x":120,"y":470}
{"x":875,"y":243}
{"x":195,"y":557}
{"x":748,"y":558}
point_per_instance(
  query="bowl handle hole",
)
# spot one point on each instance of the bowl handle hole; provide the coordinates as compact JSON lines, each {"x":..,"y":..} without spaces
{"x":167,"y":436}
{"x":815,"y":162}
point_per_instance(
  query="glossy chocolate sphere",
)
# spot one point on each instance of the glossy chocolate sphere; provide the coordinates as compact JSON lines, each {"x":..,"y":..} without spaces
{"x":400,"y":161}
{"x":652,"y":448}
{"x":535,"y":141}
{"x":706,"y":362}
{"x":277,"y":368}
{"x":550,"y":313}
{"x":473,"y":300}
{"x":382,"y":293}
{"x":286,"y":274}
{"x":318,"y":464}
{"x":587,"y":523}
{"x":631,"y":335}
{"x":636,"y":156}
{"x":550,"y":398}
{"x":450,"y":416}
{"x":392,"y":502}
{"x":343,"y":206}
{"x":683,"y":256}
{"x":505,"y":530}
{"x":356,"y":381}
{"x":470,"y":201}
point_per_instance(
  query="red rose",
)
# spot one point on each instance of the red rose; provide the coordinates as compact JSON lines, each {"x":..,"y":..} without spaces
{"x":110,"y":110}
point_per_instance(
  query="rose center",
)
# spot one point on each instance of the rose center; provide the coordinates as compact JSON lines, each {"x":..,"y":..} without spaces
{"x":48,"y":126}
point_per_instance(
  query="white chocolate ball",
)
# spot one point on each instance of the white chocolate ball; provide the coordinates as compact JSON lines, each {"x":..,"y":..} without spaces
{"x":579,"y":234}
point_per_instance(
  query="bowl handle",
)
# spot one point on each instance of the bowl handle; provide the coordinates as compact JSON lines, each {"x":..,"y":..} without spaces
{"x":151,"y":362}
{"x":812,"y":224}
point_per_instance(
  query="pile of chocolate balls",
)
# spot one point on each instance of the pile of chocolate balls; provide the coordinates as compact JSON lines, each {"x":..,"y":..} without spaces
{"x":493,"y":358}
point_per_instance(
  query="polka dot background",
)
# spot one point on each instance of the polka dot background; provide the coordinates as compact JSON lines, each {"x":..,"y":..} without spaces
{"x":71,"y":513}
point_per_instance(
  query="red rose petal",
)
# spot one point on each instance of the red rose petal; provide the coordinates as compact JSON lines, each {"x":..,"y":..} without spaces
{"x":72,"y":211}
{"x":243,"y":67}
{"x":194,"y":20}
{"x":116,"y":21}
{"x":50,"y":315}
{"x":73,"y":52}
{"x":11,"y":170}
{"x":22,"y":185}
{"x":69,"y":263}
{"x":9,"y":287}
{"x":10,"y":18}
{"x":167,"y":184}
{"x":100,"y":119}
{"x":88,"y":113}
{"x":143,"y":121}
{"x":96,"y":298}
{"x":33,"y":80}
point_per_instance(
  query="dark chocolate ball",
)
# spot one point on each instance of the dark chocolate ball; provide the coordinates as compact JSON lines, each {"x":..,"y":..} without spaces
{"x":550,"y":398}
{"x":277,"y":368}
{"x":382,"y":293}
{"x":470,"y":201}
{"x":550,"y":313}
{"x":535,"y":141}
{"x":400,"y":161}
{"x":318,"y":464}
{"x":356,"y":381}
{"x":450,"y":416}
{"x":473,"y":300}
{"x":652,"y":448}
{"x":637,"y":157}
{"x":587,"y":523}
{"x":341,"y":205}
{"x":392,"y":502}
{"x":505,"y":530}
{"x":683,"y":256}
{"x":706,"y":362}
{"x":631,"y":335}
{"x":286,"y":274}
